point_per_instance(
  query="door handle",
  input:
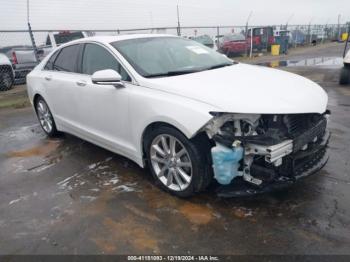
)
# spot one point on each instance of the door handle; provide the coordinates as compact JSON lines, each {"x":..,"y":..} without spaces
{"x":81,"y":83}
{"x":48,"y":78}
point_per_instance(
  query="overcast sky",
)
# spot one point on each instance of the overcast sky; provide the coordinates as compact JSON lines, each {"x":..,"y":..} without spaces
{"x":121,"y":14}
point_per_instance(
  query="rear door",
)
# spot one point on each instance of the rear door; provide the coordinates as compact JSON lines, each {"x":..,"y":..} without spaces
{"x":61,"y":79}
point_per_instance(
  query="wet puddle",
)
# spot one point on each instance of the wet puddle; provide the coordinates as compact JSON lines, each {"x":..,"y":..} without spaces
{"x":197,"y":214}
{"x":325,"y":62}
{"x":43,"y":150}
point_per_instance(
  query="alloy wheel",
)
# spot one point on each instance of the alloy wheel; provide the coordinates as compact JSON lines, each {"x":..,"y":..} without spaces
{"x":171,"y":162}
{"x":44,"y":116}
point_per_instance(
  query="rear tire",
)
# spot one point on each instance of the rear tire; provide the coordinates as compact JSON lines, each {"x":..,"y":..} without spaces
{"x":183,"y":174}
{"x":6,"y":79}
{"x":45,"y":117}
{"x":344,"y":76}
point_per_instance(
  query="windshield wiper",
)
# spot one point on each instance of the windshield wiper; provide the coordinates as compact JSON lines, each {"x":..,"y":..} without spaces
{"x":188,"y":71}
{"x":221,"y":65}
{"x":173,"y":73}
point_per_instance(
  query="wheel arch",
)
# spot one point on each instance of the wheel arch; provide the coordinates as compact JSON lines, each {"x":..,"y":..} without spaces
{"x":197,"y":137}
{"x":36,"y":97}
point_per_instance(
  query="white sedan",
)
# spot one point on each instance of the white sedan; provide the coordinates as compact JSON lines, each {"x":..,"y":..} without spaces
{"x":187,"y":112}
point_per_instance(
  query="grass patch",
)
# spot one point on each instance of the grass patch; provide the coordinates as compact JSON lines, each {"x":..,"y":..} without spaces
{"x":15,"y":103}
{"x":14,"y":98}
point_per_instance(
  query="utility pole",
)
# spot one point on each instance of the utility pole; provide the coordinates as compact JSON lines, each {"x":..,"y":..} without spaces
{"x":325,"y":31}
{"x":246,"y":31}
{"x":151,"y":20}
{"x":309,"y":31}
{"x":290,"y":18}
{"x":28,"y":11}
{"x":339,"y":27}
{"x":31,"y":34}
{"x":178,"y":21}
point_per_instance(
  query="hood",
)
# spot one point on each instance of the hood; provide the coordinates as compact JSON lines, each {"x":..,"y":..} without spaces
{"x":243,"y":88}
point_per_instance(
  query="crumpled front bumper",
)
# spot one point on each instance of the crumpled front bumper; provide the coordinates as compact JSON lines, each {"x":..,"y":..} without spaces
{"x":301,"y":164}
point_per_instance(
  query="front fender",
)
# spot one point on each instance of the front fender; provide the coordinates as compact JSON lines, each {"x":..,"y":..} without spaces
{"x":149,"y":106}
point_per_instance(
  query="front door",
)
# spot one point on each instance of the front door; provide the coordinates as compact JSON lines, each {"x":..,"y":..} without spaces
{"x":104,"y":109}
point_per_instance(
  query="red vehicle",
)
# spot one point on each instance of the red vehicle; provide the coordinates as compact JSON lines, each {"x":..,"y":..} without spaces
{"x":263,"y":38}
{"x":232,"y":44}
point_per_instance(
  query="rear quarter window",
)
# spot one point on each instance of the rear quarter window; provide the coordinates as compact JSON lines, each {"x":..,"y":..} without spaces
{"x":50,"y":62}
{"x":67,"y":59}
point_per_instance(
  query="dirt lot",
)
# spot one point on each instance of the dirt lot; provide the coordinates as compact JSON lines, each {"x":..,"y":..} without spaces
{"x":67,"y":196}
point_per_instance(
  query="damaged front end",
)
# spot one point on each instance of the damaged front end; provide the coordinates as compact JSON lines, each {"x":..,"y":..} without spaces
{"x":260,"y":153}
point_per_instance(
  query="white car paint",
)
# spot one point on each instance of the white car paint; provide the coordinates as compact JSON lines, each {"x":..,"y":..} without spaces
{"x":4,"y":60}
{"x":116,"y":118}
{"x":245,"y":88}
{"x":347,"y":57}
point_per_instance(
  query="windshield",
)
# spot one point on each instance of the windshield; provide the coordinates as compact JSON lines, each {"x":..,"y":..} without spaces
{"x":165,"y":56}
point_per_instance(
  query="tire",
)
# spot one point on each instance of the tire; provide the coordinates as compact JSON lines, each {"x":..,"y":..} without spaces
{"x":344,"y":76}
{"x":199,"y":175}
{"x":45,"y":118}
{"x":6,"y":79}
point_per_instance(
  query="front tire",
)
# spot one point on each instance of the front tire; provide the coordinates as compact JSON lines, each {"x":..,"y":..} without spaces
{"x":344,"y":76}
{"x":179,"y":165}
{"x":45,"y":117}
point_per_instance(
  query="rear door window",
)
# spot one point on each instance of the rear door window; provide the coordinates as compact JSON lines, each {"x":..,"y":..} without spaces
{"x":96,"y":58}
{"x":67,"y":59}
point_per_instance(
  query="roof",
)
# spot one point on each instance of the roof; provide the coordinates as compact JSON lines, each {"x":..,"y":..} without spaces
{"x":110,"y":39}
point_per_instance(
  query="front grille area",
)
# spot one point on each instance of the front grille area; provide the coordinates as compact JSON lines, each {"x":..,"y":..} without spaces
{"x":317,"y":130}
{"x":297,"y":124}
{"x":303,"y":128}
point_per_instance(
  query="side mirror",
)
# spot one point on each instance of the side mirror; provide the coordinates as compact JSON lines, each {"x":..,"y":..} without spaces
{"x":107,"y":77}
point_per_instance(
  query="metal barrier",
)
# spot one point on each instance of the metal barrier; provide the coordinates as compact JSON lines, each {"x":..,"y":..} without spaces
{"x":299,"y":34}
{"x":17,"y":45}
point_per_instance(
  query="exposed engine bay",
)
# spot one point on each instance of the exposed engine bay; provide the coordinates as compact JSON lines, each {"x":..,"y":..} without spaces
{"x":263,"y":150}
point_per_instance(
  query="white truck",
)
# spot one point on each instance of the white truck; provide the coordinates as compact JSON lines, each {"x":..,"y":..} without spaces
{"x":22,"y":59}
{"x":7,"y":74}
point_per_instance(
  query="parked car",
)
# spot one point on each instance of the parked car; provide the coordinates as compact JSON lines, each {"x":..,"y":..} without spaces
{"x":204,"y":40}
{"x":57,"y":39}
{"x":54,"y":40}
{"x":263,"y":37}
{"x":23,"y":60}
{"x":232,"y":44}
{"x":185,"y":111}
{"x":345,"y":71}
{"x":6,"y":73}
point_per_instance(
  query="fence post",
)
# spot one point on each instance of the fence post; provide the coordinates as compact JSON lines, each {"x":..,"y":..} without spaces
{"x":251,"y":43}
{"x":217,"y":36}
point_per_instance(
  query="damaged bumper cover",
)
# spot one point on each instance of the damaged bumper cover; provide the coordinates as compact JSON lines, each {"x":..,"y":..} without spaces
{"x":297,"y":166}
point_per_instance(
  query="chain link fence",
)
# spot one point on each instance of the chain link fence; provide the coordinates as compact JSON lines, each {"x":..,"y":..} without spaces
{"x":21,"y":50}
